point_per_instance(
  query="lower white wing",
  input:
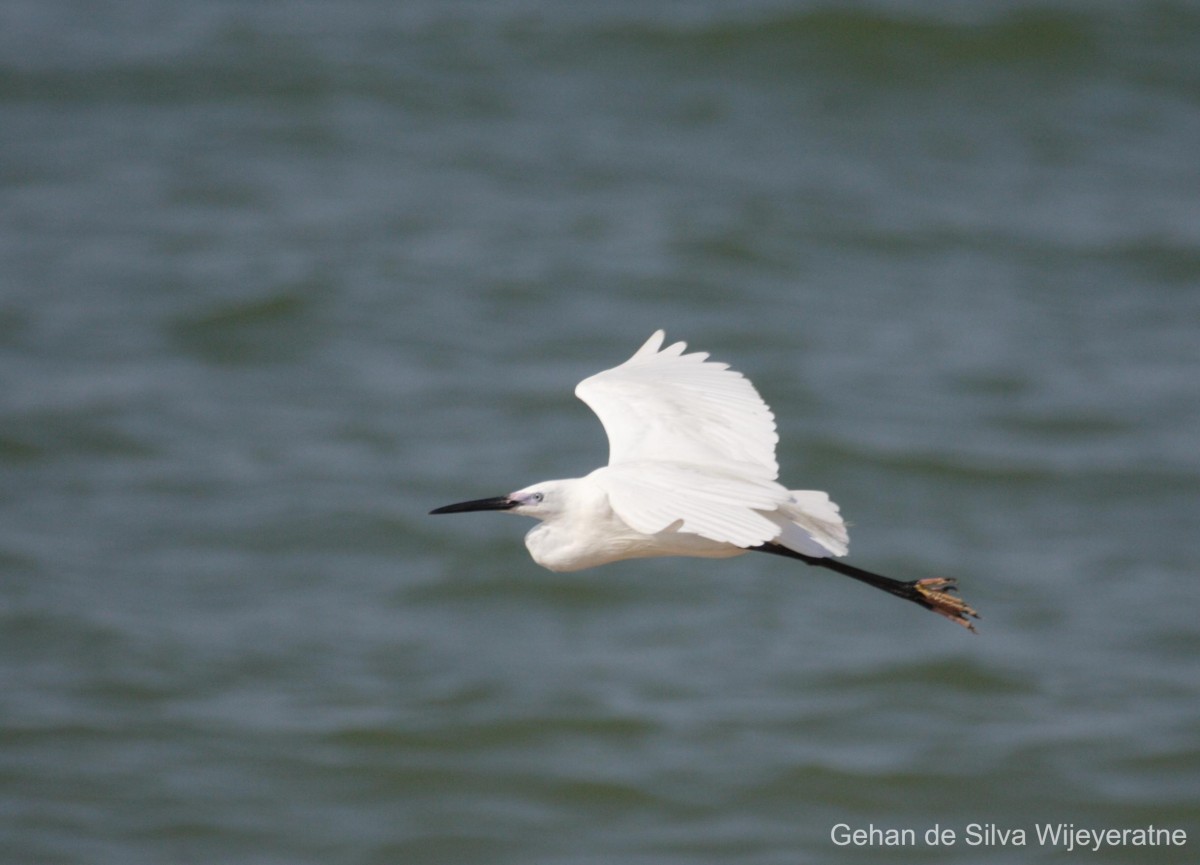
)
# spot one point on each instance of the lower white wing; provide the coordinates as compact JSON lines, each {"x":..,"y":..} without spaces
{"x":652,"y":497}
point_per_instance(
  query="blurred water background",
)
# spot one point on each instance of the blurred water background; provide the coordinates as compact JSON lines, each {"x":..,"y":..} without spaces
{"x":278,"y":277}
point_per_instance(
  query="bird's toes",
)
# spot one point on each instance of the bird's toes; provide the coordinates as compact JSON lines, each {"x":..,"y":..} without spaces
{"x":935,"y":594}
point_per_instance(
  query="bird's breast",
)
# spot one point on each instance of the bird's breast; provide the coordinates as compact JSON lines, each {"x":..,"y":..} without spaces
{"x":558,"y":548}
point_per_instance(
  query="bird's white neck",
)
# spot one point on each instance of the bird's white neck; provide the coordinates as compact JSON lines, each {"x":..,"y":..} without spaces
{"x":581,"y":531}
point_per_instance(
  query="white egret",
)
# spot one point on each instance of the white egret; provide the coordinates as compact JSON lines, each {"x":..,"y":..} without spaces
{"x":691,"y":472}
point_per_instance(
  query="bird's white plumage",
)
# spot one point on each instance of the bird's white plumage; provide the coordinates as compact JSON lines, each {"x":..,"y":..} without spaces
{"x":691,"y":472}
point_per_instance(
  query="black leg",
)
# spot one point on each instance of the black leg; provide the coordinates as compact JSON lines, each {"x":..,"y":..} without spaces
{"x":932,"y":594}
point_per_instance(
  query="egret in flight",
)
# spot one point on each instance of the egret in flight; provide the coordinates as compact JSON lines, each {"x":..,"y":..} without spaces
{"x":691,"y":472}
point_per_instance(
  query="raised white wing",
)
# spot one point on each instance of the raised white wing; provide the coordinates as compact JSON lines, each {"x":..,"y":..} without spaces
{"x":682,"y":408}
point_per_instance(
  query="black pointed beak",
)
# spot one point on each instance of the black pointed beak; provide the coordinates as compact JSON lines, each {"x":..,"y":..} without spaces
{"x":496,"y":503}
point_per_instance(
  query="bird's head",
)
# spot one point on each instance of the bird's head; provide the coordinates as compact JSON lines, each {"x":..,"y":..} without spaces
{"x":540,"y":501}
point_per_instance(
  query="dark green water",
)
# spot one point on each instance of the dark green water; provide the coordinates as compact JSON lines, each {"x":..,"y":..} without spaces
{"x":276,"y":278}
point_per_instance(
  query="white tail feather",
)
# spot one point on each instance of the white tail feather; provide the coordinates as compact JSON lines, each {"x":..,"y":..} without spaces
{"x":811,"y":524}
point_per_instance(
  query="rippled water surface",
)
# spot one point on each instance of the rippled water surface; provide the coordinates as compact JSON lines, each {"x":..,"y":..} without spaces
{"x":276,"y":278}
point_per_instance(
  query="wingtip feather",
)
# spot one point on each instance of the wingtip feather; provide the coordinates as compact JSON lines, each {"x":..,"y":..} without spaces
{"x":652,"y":345}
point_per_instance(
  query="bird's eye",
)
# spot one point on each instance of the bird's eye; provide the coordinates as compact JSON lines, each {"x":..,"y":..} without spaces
{"x":536,"y":497}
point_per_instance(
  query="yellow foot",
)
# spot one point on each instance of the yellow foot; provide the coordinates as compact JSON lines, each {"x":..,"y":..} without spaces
{"x":936,"y":594}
